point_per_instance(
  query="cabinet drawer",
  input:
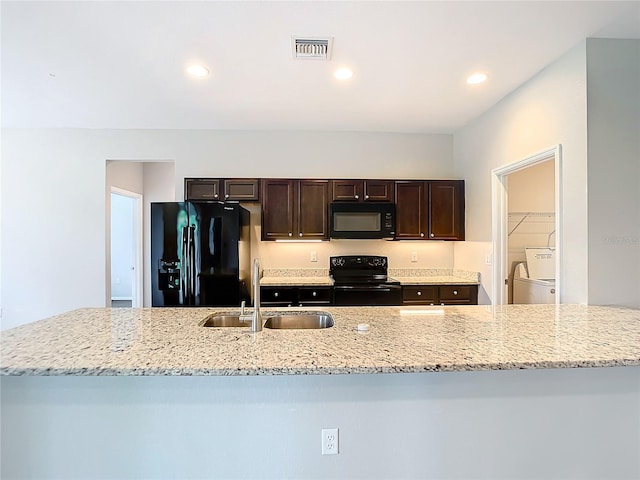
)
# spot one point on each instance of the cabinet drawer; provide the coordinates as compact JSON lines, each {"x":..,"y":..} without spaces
{"x":419,"y":294}
{"x":314,"y":295}
{"x":277,"y":295}
{"x":452,"y":294}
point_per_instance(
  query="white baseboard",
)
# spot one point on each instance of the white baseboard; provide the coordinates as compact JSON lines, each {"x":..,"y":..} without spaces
{"x":122,"y":298}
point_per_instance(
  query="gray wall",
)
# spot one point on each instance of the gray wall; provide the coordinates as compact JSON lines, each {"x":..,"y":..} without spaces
{"x":563,"y":423}
{"x":613,"y":99}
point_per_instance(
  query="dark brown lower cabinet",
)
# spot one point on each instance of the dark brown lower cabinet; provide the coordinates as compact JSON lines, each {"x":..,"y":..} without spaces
{"x":440,"y":294}
{"x":295,"y":296}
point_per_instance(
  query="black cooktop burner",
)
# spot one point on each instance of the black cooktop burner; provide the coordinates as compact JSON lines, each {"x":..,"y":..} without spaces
{"x":360,"y":270}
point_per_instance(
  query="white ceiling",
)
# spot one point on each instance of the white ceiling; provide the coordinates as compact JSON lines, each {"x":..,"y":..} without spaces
{"x":121,"y":64}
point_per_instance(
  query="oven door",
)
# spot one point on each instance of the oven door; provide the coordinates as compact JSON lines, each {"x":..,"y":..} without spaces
{"x":362,"y":295}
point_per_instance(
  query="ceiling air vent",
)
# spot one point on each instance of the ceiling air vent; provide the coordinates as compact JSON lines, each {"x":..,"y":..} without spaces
{"x":313,"y":48}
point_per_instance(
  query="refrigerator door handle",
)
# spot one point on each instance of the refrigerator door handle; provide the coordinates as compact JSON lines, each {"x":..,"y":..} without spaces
{"x":192,"y":265}
{"x":184,"y":272}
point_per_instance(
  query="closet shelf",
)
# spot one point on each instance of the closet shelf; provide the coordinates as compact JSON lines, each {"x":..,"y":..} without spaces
{"x":539,"y":218}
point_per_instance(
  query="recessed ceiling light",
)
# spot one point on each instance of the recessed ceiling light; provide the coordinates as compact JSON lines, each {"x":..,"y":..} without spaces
{"x":343,"y":74}
{"x":476,"y":78}
{"x":197,"y":70}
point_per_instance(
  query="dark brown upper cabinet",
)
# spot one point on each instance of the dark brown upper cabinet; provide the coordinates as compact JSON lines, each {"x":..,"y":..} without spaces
{"x":222,"y":189}
{"x":362,"y":190}
{"x":242,"y":189}
{"x":295,"y":209}
{"x":411,"y":209}
{"x":202,"y":189}
{"x":446,"y":209}
{"x":430,"y":210}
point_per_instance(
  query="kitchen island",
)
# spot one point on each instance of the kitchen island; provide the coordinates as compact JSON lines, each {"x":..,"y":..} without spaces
{"x":172,"y":341}
{"x":485,"y":392}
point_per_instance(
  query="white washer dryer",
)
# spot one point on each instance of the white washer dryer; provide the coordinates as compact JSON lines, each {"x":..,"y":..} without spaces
{"x":533,"y":280}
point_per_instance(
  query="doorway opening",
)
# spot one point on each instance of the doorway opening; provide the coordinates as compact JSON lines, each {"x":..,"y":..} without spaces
{"x":527,"y":219}
{"x":126,"y":248}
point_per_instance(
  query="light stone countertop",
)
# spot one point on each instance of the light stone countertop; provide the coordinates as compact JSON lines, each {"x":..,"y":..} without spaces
{"x":436,"y":280}
{"x":302,"y":281}
{"x":170,"y":341}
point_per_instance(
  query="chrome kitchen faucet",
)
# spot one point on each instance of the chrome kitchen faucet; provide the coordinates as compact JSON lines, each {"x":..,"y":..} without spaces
{"x":256,"y":317}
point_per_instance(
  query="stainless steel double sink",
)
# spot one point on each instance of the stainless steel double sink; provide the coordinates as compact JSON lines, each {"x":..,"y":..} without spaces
{"x":280,"y":320}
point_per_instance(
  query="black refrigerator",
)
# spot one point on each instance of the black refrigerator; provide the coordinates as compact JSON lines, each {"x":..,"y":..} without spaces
{"x":200,"y":254}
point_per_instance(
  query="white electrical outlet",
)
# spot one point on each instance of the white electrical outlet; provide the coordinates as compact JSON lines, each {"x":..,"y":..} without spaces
{"x":313,"y":256}
{"x":329,"y":441}
{"x":488,"y":259}
{"x":414,"y":256}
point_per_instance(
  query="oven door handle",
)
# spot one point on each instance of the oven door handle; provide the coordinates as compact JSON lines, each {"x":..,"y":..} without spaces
{"x":373,"y":288}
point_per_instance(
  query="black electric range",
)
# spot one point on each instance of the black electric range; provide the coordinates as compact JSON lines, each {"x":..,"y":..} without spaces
{"x":363,"y":280}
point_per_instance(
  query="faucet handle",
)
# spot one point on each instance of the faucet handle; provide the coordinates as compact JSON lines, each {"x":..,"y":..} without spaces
{"x":242,"y":307}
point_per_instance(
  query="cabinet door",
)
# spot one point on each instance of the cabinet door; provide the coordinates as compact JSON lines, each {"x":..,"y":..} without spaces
{"x":378,"y":191}
{"x":347,"y":190}
{"x":410,"y":209}
{"x":202,"y":189}
{"x":446,"y":210}
{"x":278,"y":199}
{"x":242,"y":189}
{"x":313,"y":209}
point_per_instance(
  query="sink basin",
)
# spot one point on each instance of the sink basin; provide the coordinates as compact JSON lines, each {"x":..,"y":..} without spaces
{"x":307,"y":320}
{"x":224,"y":321}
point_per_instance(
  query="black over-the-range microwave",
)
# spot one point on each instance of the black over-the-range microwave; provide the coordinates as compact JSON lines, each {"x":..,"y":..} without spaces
{"x":362,"y":220}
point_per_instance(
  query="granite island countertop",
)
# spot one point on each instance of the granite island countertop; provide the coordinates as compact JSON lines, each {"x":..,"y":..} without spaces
{"x":171,"y":341}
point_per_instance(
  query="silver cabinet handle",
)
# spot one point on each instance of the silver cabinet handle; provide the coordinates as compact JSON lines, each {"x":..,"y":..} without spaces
{"x":276,"y":294}
{"x":314,"y":294}
{"x":290,"y":234}
{"x":455,"y":292}
{"x":432,"y":235}
{"x":366,"y":197}
{"x":553,"y":290}
{"x":356,"y":197}
{"x":215,"y":196}
{"x":226,"y":196}
{"x":421,"y":234}
{"x":300,"y":234}
{"x":419,"y":293}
